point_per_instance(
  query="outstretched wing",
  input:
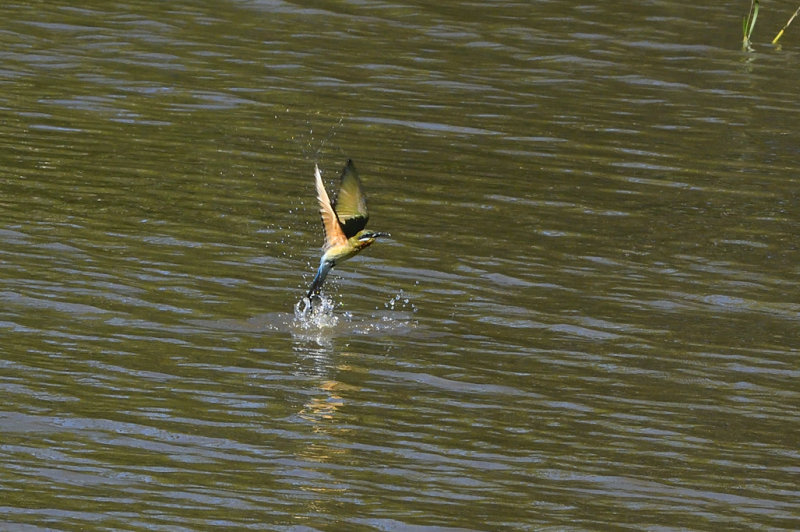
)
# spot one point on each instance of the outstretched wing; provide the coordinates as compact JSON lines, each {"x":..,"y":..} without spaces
{"x":334,"y":235}
{"x":351,"y":204}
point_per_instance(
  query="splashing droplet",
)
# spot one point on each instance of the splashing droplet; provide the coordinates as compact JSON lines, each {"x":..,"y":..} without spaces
{"x":400,"y":302}
{"x":315,"y":314}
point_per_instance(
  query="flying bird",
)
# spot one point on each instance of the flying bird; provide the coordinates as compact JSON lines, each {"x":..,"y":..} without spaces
{"x":344,"y":221}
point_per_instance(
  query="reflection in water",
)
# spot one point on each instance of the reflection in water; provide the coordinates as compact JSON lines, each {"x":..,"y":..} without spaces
{"x":318,"y":366}
{"x":315,"y":362}
{"x":323,"y":407}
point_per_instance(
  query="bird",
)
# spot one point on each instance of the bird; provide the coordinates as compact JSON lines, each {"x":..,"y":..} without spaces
{"x":343,"y":222}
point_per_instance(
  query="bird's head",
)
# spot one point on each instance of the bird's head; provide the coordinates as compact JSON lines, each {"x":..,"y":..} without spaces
{"x":365,"y":238}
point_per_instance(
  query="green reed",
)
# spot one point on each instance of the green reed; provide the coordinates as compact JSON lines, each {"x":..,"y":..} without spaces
{"x":748,"y":23}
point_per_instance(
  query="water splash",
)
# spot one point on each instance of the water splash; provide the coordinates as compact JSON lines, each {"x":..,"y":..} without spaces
{"x":314,"y":146}
{"x":400,"y":302}
{"x":315,"y":315}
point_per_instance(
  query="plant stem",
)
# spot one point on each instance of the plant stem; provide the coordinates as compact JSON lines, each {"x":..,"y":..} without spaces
{"x":748,"y":23}
{"x":780,"y":33}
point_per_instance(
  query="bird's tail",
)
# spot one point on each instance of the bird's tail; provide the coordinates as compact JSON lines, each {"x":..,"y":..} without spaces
{"x":319,"y":278}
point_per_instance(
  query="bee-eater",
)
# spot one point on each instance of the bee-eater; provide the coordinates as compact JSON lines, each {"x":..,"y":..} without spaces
{"x":343,"y":221}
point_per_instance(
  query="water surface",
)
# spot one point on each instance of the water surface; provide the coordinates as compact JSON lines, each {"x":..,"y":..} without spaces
{"x":587,"y":316}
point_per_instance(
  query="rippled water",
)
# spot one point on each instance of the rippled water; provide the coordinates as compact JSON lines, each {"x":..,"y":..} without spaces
{"x":587,"y":316}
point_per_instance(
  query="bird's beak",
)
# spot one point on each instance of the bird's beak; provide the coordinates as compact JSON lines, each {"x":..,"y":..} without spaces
{"x":372,"y":236}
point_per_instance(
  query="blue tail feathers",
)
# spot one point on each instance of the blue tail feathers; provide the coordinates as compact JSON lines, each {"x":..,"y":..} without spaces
{"x":319,"y":278}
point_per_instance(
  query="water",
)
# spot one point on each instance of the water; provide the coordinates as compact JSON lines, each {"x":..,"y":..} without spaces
{"x":586,"y":318}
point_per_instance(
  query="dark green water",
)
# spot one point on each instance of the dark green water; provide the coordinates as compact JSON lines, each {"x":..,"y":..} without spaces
{"x":587,"y":317}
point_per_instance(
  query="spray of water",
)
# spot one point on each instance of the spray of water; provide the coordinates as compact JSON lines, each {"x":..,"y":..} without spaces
{"x":315,"y":314}
{"x":400,"y":301}
{"x":313,"y":146}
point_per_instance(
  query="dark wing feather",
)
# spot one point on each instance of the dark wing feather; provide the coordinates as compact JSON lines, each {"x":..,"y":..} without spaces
{"x":351,"y":204}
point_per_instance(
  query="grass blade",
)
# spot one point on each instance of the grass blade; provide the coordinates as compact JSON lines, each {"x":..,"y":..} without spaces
{"x":783,"y":29}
